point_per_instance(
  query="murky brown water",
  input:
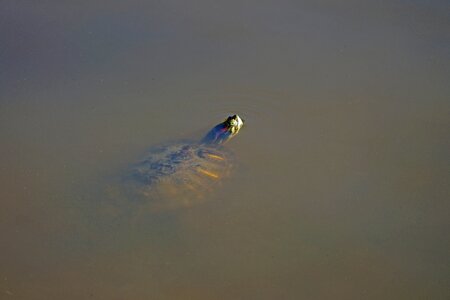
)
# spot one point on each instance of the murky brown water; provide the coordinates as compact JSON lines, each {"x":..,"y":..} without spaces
{"x":343,"y":179}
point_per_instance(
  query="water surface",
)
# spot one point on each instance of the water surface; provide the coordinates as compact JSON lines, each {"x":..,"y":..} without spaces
{"x":342,"y":185}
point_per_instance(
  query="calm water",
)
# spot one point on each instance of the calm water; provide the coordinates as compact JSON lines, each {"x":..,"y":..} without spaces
{"x":342,"y":182}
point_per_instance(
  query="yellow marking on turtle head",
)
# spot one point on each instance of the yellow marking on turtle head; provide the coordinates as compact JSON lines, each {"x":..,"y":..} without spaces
{"x":218,"y":157}
{"x":210,"y":174}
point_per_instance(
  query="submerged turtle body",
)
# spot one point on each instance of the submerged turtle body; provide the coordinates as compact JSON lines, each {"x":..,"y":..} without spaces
{"x":183,"y":174}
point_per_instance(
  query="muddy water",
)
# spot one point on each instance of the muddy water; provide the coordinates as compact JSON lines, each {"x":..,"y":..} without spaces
{"x":341,"y":186}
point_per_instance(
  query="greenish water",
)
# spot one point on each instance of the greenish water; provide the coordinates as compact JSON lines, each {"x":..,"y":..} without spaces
{"x":342,"y":185}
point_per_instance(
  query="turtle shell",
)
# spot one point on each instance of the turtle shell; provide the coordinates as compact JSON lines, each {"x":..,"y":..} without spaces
{"x":178,"y":175}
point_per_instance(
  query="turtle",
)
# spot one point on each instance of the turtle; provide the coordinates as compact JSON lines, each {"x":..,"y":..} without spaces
{"x":184,"y":173}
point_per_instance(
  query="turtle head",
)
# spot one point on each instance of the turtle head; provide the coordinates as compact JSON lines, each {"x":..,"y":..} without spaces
{"x":224,"y":131}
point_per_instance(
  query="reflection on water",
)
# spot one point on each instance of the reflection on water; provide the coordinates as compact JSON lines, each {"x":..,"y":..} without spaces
{"x":342,"y":180}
